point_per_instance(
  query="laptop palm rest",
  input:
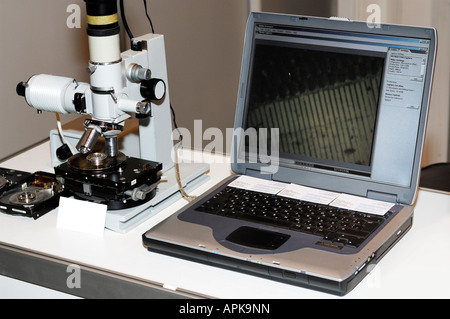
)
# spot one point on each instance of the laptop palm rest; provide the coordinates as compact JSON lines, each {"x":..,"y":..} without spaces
{"x":257,"y":238}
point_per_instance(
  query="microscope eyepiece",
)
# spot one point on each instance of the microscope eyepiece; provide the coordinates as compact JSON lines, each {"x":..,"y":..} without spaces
{"x":103,"y":30}
{"x":101,"y":7}
{"x":102,"y":18}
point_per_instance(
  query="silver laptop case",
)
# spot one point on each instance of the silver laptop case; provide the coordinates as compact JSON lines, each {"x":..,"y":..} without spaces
{"x":339,"y":106}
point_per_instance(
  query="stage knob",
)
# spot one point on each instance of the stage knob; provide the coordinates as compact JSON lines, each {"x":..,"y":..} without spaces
{"x":153,"y":90}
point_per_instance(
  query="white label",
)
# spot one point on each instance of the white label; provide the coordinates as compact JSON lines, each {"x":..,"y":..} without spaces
{"x":308,"y":194}
{"x":362,"y":204}
{"x":81,"y":216}
{"x":258,"y":185}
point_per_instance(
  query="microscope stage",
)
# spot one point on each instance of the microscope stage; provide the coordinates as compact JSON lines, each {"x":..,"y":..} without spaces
{"x":112,"y":187}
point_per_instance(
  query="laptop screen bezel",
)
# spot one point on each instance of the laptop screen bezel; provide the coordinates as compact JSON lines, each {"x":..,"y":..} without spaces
{"x":318,"y":178}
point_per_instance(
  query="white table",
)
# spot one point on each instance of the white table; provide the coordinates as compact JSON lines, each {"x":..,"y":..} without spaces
{"x":417,"y":267}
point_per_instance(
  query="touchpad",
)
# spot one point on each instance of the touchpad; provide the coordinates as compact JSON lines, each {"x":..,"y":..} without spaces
{"x":257,"y":238}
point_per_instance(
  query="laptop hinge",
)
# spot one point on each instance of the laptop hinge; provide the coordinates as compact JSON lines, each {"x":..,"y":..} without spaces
{"x":257,"y":173}
{"x":385,"y":197}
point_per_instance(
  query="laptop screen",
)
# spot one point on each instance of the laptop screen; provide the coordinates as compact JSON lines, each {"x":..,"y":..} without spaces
{"x":343,"y":102}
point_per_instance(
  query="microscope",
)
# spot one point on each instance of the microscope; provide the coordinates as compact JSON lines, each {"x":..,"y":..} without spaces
{"x":132,"y":82}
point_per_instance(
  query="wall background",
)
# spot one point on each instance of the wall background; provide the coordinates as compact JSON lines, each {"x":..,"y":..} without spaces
{"x":35,"y":39}
{"x":204,"y":41}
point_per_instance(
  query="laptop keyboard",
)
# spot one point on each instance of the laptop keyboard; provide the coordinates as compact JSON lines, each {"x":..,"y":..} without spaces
{"x":336,"y":227}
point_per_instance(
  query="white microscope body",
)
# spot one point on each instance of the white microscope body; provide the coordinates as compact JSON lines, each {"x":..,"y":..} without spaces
{"x":134,"y":81}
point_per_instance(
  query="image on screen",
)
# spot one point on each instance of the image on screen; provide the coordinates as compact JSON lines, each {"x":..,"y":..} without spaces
{"x":324,"y":103}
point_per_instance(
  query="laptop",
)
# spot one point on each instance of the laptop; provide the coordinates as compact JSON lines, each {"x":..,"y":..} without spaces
{"x":329,"y":132}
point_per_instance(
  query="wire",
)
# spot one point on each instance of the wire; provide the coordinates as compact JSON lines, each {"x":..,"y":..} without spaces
{"x":188,"y":197}
{"x":185,"y":195}
{"x":148,"y":17}
{"x":173,"y":117}
{"x":124,"y":20}
{"x":61,"y":134}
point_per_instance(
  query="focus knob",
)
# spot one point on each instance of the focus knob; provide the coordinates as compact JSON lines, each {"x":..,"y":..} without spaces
{"x":153,"y":90}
